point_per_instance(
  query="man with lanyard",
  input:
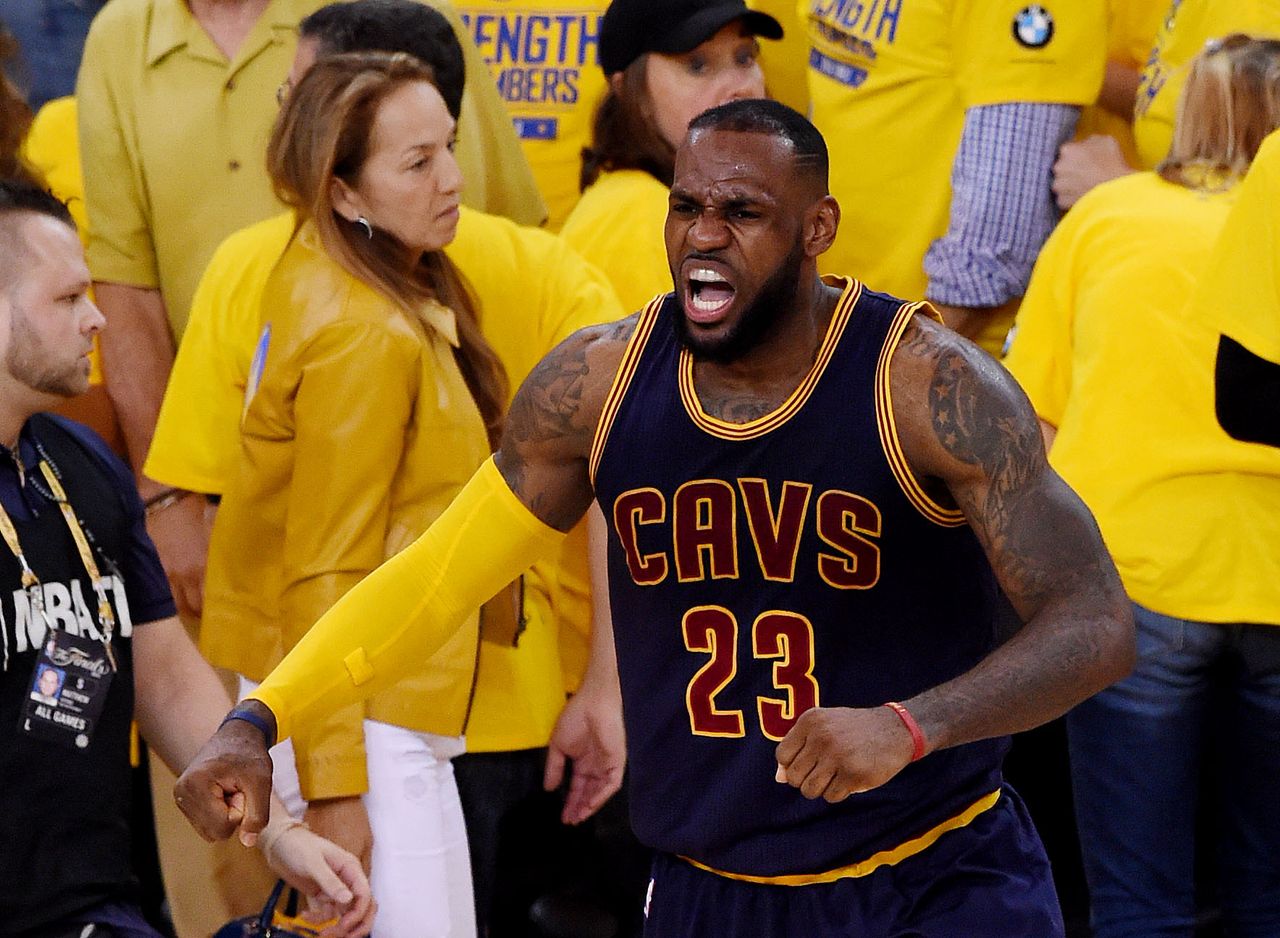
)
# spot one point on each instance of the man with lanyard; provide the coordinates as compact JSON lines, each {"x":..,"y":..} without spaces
{"x":83,"y":597}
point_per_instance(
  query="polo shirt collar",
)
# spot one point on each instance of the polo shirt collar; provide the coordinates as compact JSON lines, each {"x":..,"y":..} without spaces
{"x":173,"y":26}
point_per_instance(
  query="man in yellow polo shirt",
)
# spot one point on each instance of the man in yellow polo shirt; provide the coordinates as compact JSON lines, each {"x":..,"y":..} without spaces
{"x":176,"y":102}
{"x":943,"y":120}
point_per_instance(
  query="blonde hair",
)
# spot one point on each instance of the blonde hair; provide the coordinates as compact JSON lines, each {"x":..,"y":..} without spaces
{"x":1230,"y":103}
{"x":323,"y":133}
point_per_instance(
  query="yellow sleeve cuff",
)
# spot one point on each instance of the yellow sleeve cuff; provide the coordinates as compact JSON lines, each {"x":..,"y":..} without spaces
{"x":399,"y":615}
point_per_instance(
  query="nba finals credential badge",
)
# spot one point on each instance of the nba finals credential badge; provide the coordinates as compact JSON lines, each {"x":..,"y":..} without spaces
{"x":1033,"y":27}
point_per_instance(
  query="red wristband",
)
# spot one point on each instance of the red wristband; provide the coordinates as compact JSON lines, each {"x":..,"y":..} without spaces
{"x":917,"y":735}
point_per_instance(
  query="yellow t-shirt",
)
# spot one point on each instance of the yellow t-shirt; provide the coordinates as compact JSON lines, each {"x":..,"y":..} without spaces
{"x":618,"y":227}
{"x":1188,"y":25}
{"x":890,"y":82}
{"x":1131,"y":31}
{"x":1107,"y":353}
{"x":51,"y":149}
{"x":785,"y":62}
{"x":544,"y":57}
{"x":1239,"y":295}
{"x":533,"y":291}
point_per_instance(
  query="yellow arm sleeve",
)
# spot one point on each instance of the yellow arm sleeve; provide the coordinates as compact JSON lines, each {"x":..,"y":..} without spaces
{"x":403,"y":612}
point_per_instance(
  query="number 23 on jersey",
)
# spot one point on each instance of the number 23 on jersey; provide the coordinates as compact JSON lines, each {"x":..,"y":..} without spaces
{"x":786,"y":638}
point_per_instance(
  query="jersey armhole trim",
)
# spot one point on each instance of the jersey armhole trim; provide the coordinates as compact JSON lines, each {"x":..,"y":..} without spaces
{"x":889,"y":442}
{"x":622,"y":381}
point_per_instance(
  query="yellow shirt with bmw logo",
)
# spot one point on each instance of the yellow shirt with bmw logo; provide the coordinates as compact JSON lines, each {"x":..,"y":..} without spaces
{"x":1188,"y":25}
{"x":544,"y":57}
{"x":890,"y":81}
{"x":533,"y":291}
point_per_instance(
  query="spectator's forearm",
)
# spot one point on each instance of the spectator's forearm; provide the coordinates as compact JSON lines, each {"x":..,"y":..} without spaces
{"x":1002,"y":206}
{"x":137,"y":354}
{"x":970,"y":321}
{"x":1120,"y":89}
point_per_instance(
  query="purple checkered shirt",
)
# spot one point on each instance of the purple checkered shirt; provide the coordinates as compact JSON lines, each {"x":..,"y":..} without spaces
{"x":1002,"y":208}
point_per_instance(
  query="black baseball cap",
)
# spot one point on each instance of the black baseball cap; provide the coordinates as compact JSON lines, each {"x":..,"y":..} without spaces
{"x":631,"y":28}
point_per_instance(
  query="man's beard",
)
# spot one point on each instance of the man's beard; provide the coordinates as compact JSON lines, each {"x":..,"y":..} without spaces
{"x":756,"y":320}
{"x":27,"y":360}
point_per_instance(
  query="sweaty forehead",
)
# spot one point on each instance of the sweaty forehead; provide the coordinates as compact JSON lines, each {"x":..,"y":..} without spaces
{"x":733,"y":164}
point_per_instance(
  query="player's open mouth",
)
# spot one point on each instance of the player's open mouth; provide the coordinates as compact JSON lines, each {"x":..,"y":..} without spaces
{"x":708,"y":294}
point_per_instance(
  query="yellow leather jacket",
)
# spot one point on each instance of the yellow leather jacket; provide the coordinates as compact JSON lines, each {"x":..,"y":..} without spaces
{"x":358,"y":431}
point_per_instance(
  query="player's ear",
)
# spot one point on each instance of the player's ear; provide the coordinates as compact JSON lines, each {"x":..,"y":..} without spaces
{"x":821,"y":222}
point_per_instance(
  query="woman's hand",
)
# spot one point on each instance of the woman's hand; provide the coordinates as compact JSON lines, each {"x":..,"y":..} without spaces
{"x":332,"y":880}
{"x":345,"y":822}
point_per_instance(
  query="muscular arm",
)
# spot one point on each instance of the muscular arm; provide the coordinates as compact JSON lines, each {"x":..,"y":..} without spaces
{"x":970,"y":435}
{"x":966,"y":425}
{"x":547,"y":443}
{"x":398,"y":615}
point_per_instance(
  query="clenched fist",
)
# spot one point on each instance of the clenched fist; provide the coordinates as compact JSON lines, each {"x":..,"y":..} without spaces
{"x":834,"y":752}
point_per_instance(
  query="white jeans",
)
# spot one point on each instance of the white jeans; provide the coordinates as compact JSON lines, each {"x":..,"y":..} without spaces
{"x":421,"y":872}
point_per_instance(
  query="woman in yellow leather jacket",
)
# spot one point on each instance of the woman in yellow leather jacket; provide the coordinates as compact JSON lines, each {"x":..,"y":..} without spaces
{"x":372,"y":399}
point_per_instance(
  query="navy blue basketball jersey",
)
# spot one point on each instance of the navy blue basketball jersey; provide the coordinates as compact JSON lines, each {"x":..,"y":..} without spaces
{"x":757,"y":570}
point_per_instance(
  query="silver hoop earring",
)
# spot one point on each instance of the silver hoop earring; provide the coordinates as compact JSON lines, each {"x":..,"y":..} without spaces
{"x":368,"y":228}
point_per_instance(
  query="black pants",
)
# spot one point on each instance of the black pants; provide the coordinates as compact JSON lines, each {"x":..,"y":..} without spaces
{"x":520,"y":852}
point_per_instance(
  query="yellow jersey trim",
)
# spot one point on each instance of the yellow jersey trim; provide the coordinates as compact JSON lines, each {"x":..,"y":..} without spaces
{"x":622,"y":381}
{"x":788,"y":409}
{"x":872,"y":863}
{"x":889,"y":442}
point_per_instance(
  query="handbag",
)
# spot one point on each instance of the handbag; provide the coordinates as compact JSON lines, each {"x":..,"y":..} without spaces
{"x":272,"y":922}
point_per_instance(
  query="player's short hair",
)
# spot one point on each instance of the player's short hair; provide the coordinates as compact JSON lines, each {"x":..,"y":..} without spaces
{"x":393,"y":26}
{"x":774,"y":119}
{"x":17,"y":198}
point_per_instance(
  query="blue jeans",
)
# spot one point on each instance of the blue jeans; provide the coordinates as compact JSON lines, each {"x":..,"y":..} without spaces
{"x":1138,"y":751}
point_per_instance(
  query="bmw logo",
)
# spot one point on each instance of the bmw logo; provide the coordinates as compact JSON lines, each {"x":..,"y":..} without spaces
{"x":1033,"y":27}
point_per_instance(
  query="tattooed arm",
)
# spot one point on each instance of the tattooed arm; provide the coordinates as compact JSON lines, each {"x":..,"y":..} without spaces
{"x":512,"y":512}
{"x":971,"y":437}
{"x":967,"y":427}
{"x":553,"y":420}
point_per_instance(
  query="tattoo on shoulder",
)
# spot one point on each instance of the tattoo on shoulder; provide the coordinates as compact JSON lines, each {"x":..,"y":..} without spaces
{"x":558,"y":405}
{"x":981,"y":420}
{"x":975,"y":415}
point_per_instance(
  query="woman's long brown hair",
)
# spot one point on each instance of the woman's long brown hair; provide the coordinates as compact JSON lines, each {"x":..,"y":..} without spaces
{"x":15,"y":118}
{"x":624,"y":131}
{"x":322,"y":134}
